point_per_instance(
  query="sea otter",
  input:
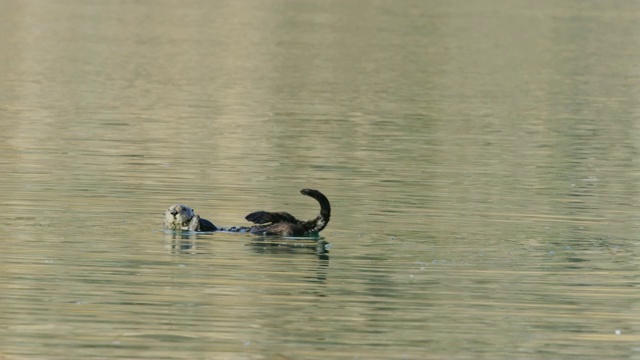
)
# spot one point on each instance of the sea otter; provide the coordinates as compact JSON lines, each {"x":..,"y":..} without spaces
{"x":285,"y":224}
{"x":182,"y":217}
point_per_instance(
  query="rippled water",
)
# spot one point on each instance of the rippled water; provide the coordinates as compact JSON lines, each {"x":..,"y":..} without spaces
{"x":481,"y":159}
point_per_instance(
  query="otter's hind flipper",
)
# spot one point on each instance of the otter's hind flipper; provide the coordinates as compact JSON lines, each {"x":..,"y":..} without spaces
{"x":264,"y":217}
{"x":285,"y":224}
{"x":320,"y":222}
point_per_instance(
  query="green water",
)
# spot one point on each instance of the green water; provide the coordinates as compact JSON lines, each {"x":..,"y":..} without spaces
{"x":481,"y":159}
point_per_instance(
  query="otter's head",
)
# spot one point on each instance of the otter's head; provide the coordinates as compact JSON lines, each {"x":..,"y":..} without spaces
{"x":177,"y":217}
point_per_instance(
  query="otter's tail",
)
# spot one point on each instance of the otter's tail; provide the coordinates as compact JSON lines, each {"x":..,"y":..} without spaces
{"x":319,"y":223}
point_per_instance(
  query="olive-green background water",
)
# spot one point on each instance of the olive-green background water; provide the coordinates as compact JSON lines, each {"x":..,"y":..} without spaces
{"x":481,"y":158}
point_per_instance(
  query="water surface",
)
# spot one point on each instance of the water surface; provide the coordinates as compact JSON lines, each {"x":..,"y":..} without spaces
{"x":481,"y":159}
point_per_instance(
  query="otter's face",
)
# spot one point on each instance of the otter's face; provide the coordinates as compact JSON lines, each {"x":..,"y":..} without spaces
{"x":177,"y":217}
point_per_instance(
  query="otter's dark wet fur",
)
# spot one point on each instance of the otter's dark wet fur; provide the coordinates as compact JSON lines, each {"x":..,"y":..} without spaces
{"x":285,"y":224}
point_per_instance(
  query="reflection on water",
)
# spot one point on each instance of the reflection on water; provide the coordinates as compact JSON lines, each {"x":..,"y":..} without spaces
{"x":480,"y":159}
{"x":187,"y":242}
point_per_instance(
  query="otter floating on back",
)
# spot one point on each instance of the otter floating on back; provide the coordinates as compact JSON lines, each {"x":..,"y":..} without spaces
{"x":182,"y":217}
